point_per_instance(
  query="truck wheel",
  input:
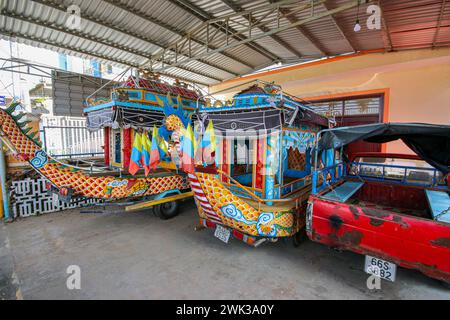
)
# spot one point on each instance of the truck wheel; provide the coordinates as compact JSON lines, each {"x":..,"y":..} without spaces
{"x":166,"y":210}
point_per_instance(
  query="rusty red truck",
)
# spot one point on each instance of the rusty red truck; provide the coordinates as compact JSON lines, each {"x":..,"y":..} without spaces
{"x":392,"y":208}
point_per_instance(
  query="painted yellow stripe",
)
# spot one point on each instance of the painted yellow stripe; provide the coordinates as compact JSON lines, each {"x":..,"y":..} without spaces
{"x":146,"y":204}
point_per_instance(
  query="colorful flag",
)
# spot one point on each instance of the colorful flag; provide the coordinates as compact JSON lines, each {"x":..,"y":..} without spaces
{"x":154,"y":152}
{"x":146,"y":147}
{"x":208,"y":144}
{"x":136,"y":154}
{"x":162,"y":147}
{"x":198,"y":141}
{"x":188,"y":150}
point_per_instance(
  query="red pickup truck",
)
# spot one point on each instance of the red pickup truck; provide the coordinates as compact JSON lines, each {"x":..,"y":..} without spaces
{"x":393,"y":208}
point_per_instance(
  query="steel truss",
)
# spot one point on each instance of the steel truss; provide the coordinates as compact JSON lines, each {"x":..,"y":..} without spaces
{"x":240,"y":28}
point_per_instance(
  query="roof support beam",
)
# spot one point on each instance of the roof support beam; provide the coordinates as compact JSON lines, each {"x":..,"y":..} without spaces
{"x":92,"y":54}
{"x":116,"y":47}
{"x":236,"y":8}
{"x":86,"y":17}
{"x":315,"y":16}
{"x":55,"y":27}
{"x":161,"y":24}
{"x":439,"y":23}
{"x":205,"y":16}
{"x":385,"y":27}
{"x":304,"y":33}
{"x":32,"y":69}
{"x":341,"y":31}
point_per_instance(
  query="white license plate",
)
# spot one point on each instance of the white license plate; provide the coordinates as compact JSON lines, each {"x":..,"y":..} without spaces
{"x":380,"y":268}
{"x":222,"y":233}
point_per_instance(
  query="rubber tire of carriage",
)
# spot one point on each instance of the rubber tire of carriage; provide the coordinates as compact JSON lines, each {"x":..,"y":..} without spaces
{"x":299,"y":238}
{"x":166,"y":210}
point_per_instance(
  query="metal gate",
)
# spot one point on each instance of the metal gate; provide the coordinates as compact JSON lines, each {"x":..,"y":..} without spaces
{"x":68,"y":137}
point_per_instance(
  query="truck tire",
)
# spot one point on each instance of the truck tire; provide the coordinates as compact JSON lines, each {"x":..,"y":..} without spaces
{"x":166,"y":210}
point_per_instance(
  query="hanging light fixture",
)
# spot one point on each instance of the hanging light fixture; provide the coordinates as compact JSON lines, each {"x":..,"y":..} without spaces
{"x":357,"y":26}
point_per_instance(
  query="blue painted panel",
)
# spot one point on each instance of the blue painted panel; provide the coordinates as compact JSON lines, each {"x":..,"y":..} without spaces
{"x":276,"y":193}
{"x":134,"y":105}
{"x":166,"y":193}
{"x":238,"y":107}
{"x":295,"y":173}
{"x":439,"y":202}
{"x":299,"y":185}
{"x":343,"y":192}
{"x":244,"y":178}
{"x":135,"y":95}
{"x":286,"y":190}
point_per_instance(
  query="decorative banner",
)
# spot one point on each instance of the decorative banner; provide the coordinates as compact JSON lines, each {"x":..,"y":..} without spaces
{"x":188,"y":150}
{"x":136,"y":154}
{"x":139,"y":118}
{"x":155,"y":157}
{"x":146,"y":149}
{"x":254,"y":120}
{"x":96,"y":120}
{"x":208,"y":145}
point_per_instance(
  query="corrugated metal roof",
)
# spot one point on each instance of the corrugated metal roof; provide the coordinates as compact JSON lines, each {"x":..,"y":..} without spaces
{"x":129,"y":32}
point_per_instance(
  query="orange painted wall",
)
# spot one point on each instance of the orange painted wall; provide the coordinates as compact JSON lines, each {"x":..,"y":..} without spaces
{"x":417,"y":83}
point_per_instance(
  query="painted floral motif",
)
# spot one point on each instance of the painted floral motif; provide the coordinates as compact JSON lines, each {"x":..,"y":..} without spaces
{"x":40,"y":159}
{"x":265,"y":225}
{"x":117,"y":183}
{"x":230,"y":211}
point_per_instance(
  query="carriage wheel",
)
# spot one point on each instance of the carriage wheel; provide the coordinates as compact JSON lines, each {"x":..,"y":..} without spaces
{"x":166,"y":210}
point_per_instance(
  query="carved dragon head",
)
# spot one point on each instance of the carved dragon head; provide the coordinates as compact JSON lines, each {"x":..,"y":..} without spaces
{"x":14,"y":131}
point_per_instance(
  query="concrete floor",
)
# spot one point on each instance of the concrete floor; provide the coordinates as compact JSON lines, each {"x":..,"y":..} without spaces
{"x":138,"y":256}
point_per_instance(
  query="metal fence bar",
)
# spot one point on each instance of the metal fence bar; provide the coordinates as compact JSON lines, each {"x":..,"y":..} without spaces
{"x":67,"y":137}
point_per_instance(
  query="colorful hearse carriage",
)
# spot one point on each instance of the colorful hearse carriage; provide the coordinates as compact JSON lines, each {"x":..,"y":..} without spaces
{"x":138,"y":105}
{"x":258,"y":187}
{"x":134,"y":105}
{"x":393,"y":208}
